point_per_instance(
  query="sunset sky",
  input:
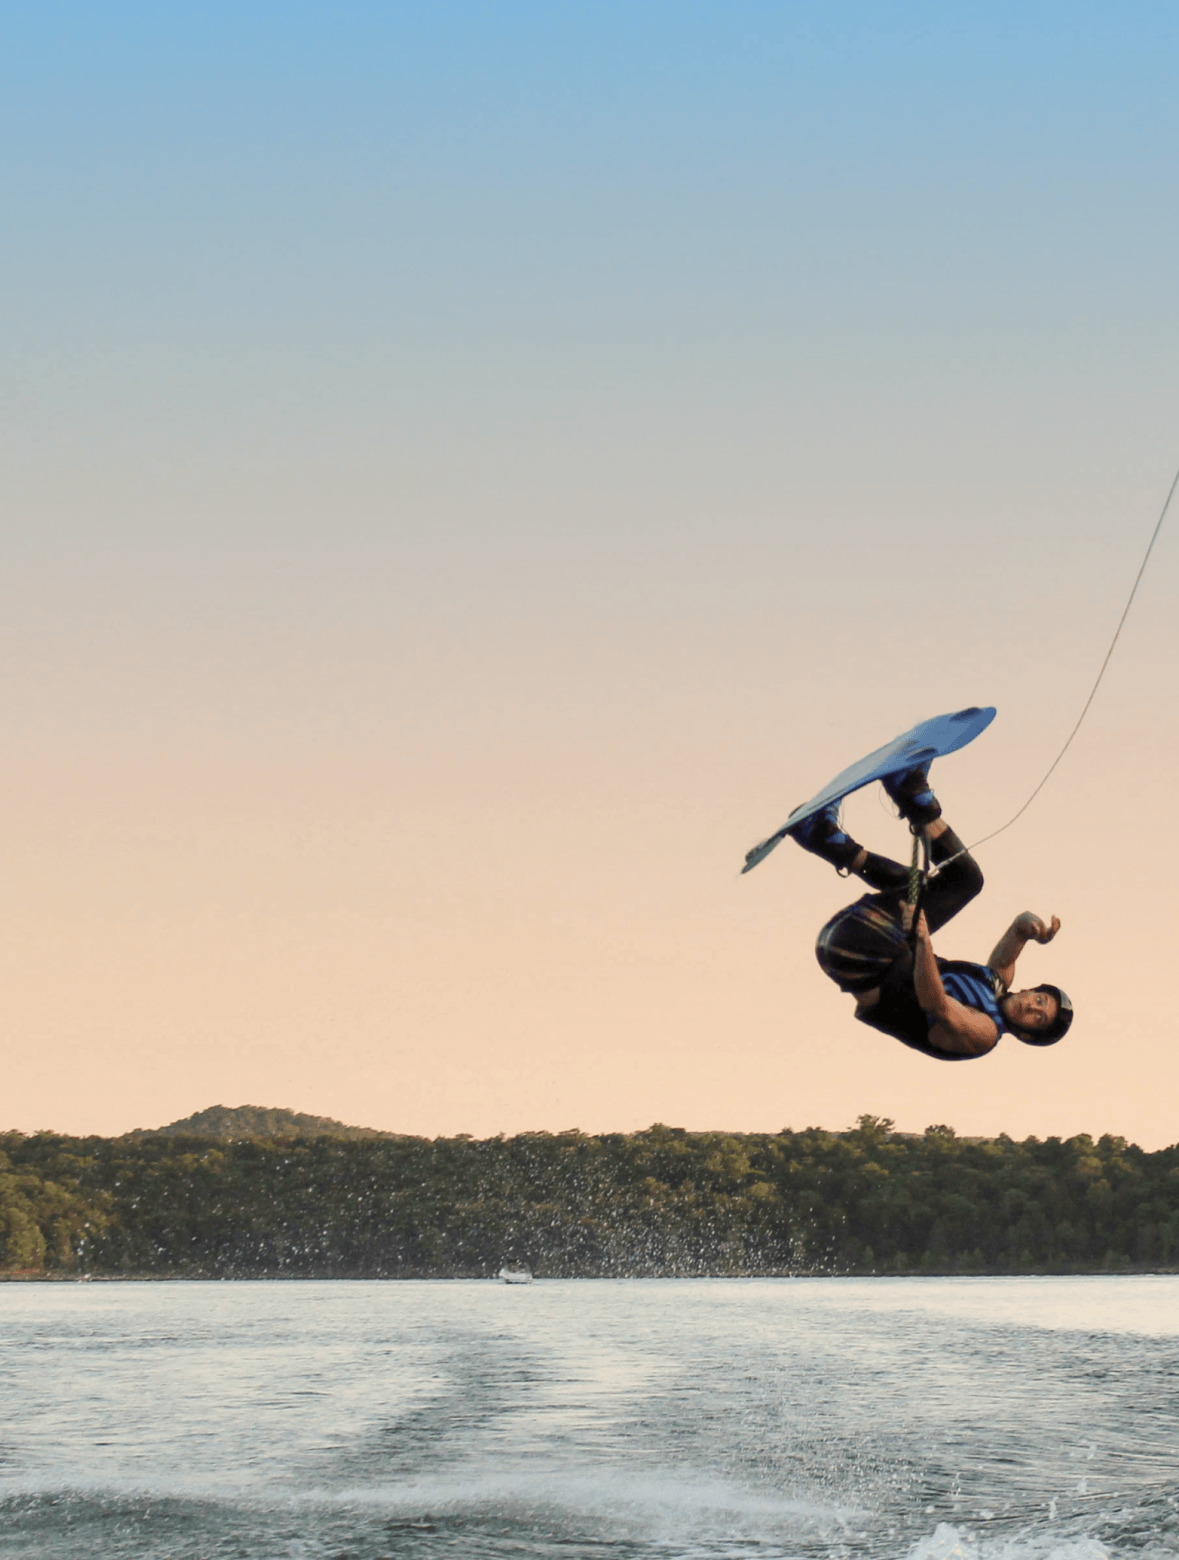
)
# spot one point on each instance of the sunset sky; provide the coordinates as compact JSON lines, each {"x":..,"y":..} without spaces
{"x":472,"y":468}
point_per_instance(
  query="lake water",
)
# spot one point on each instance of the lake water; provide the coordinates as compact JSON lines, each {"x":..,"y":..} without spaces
{"x":1003,"y":1419}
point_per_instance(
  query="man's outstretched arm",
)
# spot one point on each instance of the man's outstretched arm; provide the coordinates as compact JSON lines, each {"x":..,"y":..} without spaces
{"x":1024,"y":929}
{"x":955,"y":1028}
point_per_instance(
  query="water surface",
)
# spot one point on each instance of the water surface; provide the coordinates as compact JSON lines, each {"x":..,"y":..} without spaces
{"x":923,"y":1418}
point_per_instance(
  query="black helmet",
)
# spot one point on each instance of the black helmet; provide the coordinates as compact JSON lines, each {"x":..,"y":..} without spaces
{"x":1059,"y":1025}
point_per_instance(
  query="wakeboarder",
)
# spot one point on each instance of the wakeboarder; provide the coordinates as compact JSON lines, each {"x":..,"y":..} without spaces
{"x":948,"y":1009}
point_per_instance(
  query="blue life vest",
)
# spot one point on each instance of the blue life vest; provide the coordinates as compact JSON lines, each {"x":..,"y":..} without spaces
{"x":899,"y":1014}
{"x":975,"y":986}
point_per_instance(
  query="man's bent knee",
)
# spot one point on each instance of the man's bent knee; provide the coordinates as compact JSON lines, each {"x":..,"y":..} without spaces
{"x":972,"y":879}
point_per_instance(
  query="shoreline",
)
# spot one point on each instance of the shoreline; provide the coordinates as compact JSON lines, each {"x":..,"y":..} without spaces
{"x":568,"y":1278}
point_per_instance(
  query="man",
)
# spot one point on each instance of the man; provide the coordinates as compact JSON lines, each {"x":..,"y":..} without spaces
{"x":946,"y":1008}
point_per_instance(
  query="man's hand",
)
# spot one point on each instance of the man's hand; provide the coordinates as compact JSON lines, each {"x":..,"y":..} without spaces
{"x":1026,"y":928}
{"x":1032,"y":929}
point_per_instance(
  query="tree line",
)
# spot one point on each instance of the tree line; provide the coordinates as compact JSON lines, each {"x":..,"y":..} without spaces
{"x":664,"y":1202}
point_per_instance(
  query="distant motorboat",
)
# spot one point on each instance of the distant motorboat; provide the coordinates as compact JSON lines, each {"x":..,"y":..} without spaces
{"x":515,"y":1273}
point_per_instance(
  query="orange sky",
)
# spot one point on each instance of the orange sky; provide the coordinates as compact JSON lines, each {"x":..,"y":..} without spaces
{"x":450,"y":532}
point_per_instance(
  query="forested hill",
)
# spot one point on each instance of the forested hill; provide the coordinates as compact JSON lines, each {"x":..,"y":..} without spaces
{"x":230,"y":1122}
{"x":660,"y":1202}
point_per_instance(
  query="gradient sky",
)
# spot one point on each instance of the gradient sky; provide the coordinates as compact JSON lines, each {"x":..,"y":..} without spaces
{"x":472,"y":468}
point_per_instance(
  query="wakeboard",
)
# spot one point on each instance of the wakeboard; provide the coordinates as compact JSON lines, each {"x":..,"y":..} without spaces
{"x":929,"y":739}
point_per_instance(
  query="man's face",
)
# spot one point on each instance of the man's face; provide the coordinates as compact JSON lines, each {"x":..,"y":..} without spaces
{"x":1034,"y":1011}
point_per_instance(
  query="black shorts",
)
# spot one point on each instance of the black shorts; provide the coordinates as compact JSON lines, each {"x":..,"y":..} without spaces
{"x":865,"y":946}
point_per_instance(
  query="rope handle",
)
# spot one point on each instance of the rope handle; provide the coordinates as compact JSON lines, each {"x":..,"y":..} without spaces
{"x":918,"y":877}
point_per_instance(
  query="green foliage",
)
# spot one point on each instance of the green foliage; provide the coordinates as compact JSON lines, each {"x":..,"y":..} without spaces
{"x":22,"y":1244}
{"x":46,"y":1223}
{"x":257,"y":1121}
{"x":660,"y":1202}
